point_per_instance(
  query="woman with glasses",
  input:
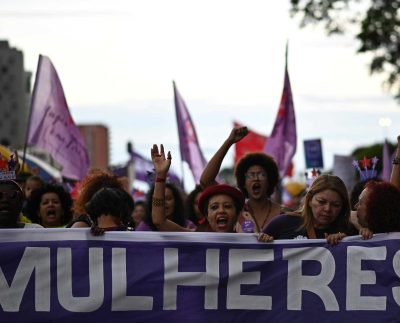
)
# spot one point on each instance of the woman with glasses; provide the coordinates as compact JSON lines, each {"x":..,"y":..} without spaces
{"x":256,"y":175}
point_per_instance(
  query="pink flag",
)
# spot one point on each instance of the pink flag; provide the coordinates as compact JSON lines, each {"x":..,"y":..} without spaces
{"x":282,"y":143}
{"x":51,"y":126}
{"x":189,"y":145}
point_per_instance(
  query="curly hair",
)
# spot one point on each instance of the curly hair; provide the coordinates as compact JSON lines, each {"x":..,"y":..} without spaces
{"x":111,"y":201}
{"x":33,"y":204}
{"x":178,"y":215}
{"x":93,"y":182}
{"x":263,"y":160}
{"x":383,"y":207}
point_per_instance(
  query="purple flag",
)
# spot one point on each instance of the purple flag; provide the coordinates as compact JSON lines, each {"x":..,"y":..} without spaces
{"x":386,"y":163}
{"x":144,"y":170}
{"x":51,"y":126}
{"x":282,"y":143}
{"x":189,"y":145}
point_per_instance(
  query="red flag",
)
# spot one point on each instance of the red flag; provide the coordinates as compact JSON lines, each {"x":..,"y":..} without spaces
{"x":51,"y":126}
{"x":253,"y":142}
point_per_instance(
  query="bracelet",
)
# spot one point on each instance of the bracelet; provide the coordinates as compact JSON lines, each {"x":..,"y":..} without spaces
{"x":158,"y":202}
{"x":396,"y":161}
{"x":160,"y":180}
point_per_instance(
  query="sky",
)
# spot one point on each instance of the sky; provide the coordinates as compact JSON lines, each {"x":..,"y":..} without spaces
{"x":117,"y":60}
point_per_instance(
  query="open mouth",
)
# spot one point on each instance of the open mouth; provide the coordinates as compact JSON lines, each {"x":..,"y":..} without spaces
{"x":256,"y":188}
{"x":51,"y":214}
{"x":222,"y":222}
{"x":4,"y":208}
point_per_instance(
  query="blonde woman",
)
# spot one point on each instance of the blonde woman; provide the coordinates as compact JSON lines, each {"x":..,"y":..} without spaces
{"x":324,"y":213}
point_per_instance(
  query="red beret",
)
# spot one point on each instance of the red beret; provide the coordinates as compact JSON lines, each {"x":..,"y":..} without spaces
{"x":225,"y":189}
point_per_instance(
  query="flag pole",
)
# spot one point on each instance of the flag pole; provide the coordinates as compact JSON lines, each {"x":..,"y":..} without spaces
{"x":183,"y":175}
{"x":28,"y":126}
{"x":180,"y":148}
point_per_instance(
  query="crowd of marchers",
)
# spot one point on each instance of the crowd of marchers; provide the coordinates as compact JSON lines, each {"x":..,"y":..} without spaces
{"x":104,"y":202}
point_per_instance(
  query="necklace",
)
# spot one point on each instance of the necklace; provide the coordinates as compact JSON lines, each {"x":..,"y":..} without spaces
{"x":267,"y":215}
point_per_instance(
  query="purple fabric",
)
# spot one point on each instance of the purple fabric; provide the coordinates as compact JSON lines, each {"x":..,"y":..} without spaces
{"x":144,"y":167}
{"x":283,"y":140}
{"x":189,"y":145}
{"x":143,"y":226}
{"x":194,"y":277}
{"x":51,"y":126}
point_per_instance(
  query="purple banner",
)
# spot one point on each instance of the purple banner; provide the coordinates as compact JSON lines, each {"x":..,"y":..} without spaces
{"x":51,"y":126}
{"x":67,"y":275}
{"x":282,"y":143}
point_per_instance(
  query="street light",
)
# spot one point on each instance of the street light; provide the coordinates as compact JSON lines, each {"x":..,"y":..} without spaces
{"x":385,"y":122}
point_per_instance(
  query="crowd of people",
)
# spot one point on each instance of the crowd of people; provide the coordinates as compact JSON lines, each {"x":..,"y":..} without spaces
{"x":104,"y":203}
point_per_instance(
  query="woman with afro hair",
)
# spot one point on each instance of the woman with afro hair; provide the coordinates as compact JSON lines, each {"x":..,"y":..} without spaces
{"x":257,"y":176}
{"x":50,"y":206}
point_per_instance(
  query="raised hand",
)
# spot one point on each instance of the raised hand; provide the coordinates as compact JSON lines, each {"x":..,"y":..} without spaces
{"x":237,"y":134}
{"x":161,"y":164}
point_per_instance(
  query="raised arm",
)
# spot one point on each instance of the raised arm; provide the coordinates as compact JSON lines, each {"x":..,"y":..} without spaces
{"x":161,"y":166}
{"x":212,"y":168}
{"x":395,"y":176}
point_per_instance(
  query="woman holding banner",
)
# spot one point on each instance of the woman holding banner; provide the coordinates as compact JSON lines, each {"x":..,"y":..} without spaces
{"x":378,"y":205}
{"x":257,"y":176}
{"x":95,"y":180}
{"x":378,"y":209}
{"x":221,"y":204}
{"x":325,"y":213}
{"x":110,"y":209}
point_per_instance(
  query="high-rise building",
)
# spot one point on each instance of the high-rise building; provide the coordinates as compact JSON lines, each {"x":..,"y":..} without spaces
{"x":15,"y":96}
{"x":97,"y":142}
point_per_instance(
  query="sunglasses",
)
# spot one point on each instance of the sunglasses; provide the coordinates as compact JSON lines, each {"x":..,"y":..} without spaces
{"x":9,"y":195}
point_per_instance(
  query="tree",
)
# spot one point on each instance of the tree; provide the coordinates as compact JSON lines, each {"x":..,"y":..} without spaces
{"x":377,"y":25}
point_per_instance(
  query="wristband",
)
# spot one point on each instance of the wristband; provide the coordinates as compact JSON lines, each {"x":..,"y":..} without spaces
{"x":160,"y":180}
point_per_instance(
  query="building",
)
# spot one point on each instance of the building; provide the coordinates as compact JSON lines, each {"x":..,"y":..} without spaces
{"x":15,"y":85}
{"x":97,"y":142}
